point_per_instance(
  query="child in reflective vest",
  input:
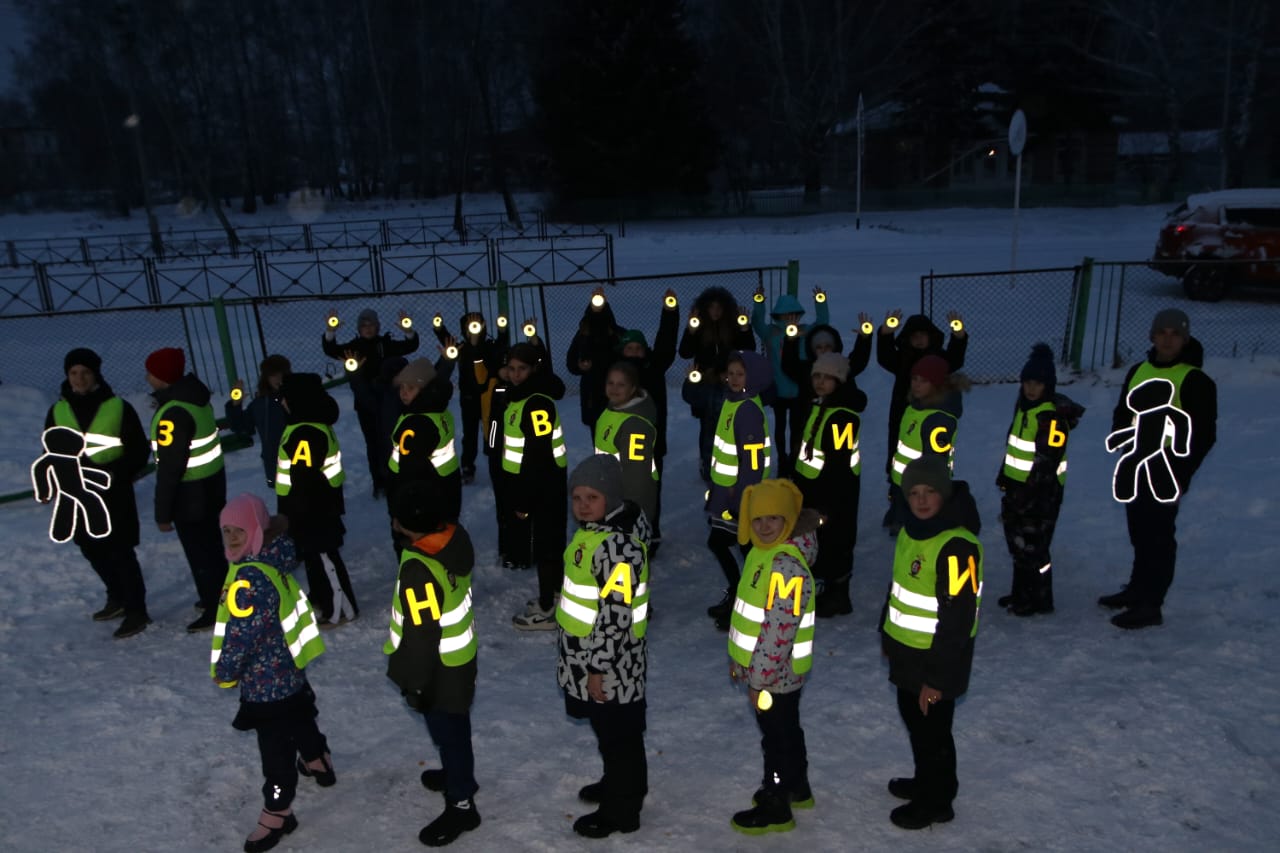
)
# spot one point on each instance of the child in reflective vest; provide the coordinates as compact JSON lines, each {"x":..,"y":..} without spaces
{"x":928,"y":425}
{"x":265,"y":636}
{"x":432,"y":648}
{"x":1032,"y":479}
{"x":627,"y":431}
{"x":603,"y":614}
{"x":771,"y":645}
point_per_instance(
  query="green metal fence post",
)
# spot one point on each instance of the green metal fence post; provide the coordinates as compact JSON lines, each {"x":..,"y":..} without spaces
{"x":793,"y":277}
{"x":1082,"y":312}
{"x":224,"y":340}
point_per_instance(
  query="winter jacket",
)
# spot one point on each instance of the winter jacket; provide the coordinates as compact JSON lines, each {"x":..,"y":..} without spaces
{"x":416,"y":437}
{"x":1040,"y":494}
{"x":798,"y":357}
{"x":313,"y":505}
{"x":479,"y":357}
{"x":254,"y":651}
{"x":829,"y":492}
{"x":265,"y":417}
{"x":750,"y":427}
{"x":367,"y":381}
{"x":541,"y":481}
{"x":177,"y":499}
{"x":773,"y":335}
{"x":946,"y":664}
{"x":771,"y":665}
{"x":710,"y":345}
{"x":596,"y":342}
{"x":611,"y":649}
{"x":1197,"y":396}
{"x":653,"y":368}
{"x":415,"y":666}
{"x":121,"y":504}
{"x":635,"y":440}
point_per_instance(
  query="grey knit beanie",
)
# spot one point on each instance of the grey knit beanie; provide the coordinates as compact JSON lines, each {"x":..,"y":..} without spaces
{"x":603,"y":473}
{"x":931,"y":471}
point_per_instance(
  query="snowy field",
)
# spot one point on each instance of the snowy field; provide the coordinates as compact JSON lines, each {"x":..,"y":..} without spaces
{"x":1074,"y":736}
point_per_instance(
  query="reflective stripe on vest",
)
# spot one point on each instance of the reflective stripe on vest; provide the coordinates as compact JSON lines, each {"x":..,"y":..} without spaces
{"x":332,"y":462}
{"x":911,"y":442}
{"x":912,"y":615}
{"x":513,"y":440}
{"x":812,"y":458}
{"x":580,"y":594}
{"x":1020,"y":448}
{"x":755,"y":588}
{"x":1176,"y":374}
{"x":204,"y":453}
{"x":457,"y":621}
{"x":443,"y":458}
{"x":724,"y":449}
{"x":608,"y":425}
{"x":102,"y":442}
{"x":298,"y":621}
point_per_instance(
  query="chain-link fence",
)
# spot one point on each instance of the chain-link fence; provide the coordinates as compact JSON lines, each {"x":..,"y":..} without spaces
{"x":1006,"y":312}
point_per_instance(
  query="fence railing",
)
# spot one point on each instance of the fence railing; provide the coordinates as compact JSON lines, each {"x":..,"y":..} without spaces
{"x":293,"y":237}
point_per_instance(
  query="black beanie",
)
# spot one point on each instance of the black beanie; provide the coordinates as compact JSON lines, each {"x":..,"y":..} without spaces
{"x":1040,"y":367}
{"x":931,"y":471}
{"x":530,"y":354}
{"x":85,"y":358}
{"x":416,"y":506}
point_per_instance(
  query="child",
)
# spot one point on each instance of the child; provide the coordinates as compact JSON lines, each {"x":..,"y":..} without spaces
{"x":265,"y":636}
{"x":432,"y":648}
{"x":931,"y":620}
{"x":928,"y":426}
{"x":264,"y":413}
{"x":479,"y":360}
{"x":592,"y":350}
{"x":422,"y":441}
{"x":309,"y":480}
{"x":742,"y":456}
{"x":788,"y":406}
{"x":626,"y":432}
{"x":771,"y":645}
{"x":1032,"y":480}
{"x":799,"y":353}
{"x":829,"y":474}
{"x":602,"y":614}
{"x":533,"y":464}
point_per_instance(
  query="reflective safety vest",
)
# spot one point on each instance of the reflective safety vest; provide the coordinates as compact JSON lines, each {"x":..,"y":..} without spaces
{"x":810,"y":465}
{"x":757,"y":589}
{"x":912,"y":616}
{"x":1020,"y":450}
{"x":457,"y":632}
{"x":724,"y":449}
{"x":332,"y":463}
{"x":443,"y":458}
{"x":605,"y":439}
{"x":580,"y":594}
{"x":301,"y":634}
{"x":204,"y":454}
{"x":102,"y":442}
{"x":911,"y":443}
{"x":513,"y":439}
{"x":1175,"y":373}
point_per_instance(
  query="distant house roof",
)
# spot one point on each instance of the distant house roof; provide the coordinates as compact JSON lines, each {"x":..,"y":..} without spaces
{"x":1139,"y":144}
{"x":1235,"y":198}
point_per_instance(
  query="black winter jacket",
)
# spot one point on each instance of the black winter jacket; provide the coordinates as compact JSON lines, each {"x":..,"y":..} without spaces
{"x":178,"y":500}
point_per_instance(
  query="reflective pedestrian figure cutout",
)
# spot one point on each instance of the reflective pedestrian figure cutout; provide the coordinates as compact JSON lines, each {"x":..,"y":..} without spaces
{"x":76,"y":491}
{"x":1158,"y":427}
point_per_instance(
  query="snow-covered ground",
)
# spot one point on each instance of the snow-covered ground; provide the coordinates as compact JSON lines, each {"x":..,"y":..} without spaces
{"x":1074,"y":736}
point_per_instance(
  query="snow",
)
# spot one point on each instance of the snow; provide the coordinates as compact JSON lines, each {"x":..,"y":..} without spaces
{"x":1251,"y":197}
{"x":1074,"y":736}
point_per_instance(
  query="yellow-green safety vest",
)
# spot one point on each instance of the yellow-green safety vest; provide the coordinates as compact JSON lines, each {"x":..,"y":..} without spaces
{"x":912,"y":615}
{"x":204,"y":454}
{"x":457,"y":623}
{"x":1020,"y":449}
{"x":332,"y":462}
{"x":102,"y":442}
{"x":580,"y":594}
{"x":605,"y":438}
{"x":513,"y":440}
{"x":810,"y":465}
{"x":1175,"y":373}
{"x":443,"y":458}
{"x":297,"y":619}
{"x":911,"y":443}
{"x":756,"y":590}
{"x":724,"y":448}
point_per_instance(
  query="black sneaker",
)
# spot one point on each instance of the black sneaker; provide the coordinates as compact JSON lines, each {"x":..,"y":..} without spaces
{"x":204,"y":622}
{"x":456,"y":819}
{"x":763,"y":818}
{"x":599,"y":825}
{"x":918,"y":814}
{"x":1117,"y":600}
{"x":1138,"y":616}
{"x":723,"y":607}
{"x":110,"y":610}
{"x":134,"y":623}
{"x":903,"y":787}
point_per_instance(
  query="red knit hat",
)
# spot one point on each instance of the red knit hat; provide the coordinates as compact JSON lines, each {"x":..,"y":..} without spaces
{"x":932,"y":369}
{"x":168,"y":364}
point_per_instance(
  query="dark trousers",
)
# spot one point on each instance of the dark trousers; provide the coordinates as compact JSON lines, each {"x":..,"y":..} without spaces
{"x":786,"y":761}
{"x":1152,"y":532}
{"x":451,"y":733}
{"x":619,"y":731}
{"x":792,"y":412}
{"x":202,"y":543}
{"x":656,"y":521}
{"x":377,"y":445}
{"x":118,"y":568}
{"x":280,"y":741}
{"x":470,"y":428}
{"x":722,"y":543}
{"x":932,"y":747}
{"x":514,"y":535}
{"x":547,"y":523}
{"x":1028,"y":534}
{"x":320,"y":589}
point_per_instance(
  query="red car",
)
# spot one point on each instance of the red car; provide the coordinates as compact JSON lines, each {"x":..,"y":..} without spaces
{"x":1215,"y":240}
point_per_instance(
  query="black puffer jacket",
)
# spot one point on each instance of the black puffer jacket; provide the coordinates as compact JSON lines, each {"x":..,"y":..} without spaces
{"x":710,"y":345}
{"x":314,"y":507}
{"x":176,"y":499}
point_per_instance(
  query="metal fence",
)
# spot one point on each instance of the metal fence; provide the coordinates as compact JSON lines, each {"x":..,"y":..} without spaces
{"x":62,"y":287}
{"x":293,"y":237}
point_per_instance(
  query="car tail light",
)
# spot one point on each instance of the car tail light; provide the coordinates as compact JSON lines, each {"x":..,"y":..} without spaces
{"x":1181,"y":229}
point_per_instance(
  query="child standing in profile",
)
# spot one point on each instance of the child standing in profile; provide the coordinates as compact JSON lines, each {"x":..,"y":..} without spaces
{"x":263,"y":415}
{"x":265,"y":636}
{"x":928,"y":426}
{"x":771,"y":645}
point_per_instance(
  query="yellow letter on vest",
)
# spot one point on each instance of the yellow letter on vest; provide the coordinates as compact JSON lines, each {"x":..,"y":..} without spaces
{"x":842,"y":436}
{"x":933,"y":440}
{"x":234,"y":607}
{"x":1057,"y":437}
{"x":785,"y":589}
{"x":755,"y":454}
{"x":619,"y":581}
{"x":404,"y":435}
{"x":956,"y":580}
{"x":302,"y":451}
{"x":429,"y":603}
{"x":635,"y":448}
{"x":541,"y":421}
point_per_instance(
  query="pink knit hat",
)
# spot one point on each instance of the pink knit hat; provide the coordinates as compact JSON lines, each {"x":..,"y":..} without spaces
{"x":249,"y":513}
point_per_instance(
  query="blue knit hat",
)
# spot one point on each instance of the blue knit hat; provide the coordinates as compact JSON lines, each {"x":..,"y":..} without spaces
{"x":1040,"y":368}
{"x":787,"y":304}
